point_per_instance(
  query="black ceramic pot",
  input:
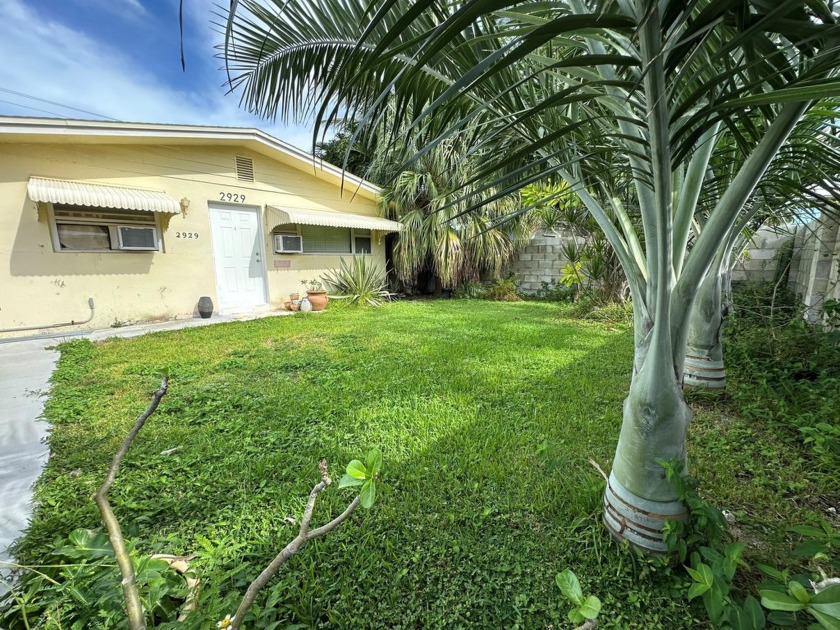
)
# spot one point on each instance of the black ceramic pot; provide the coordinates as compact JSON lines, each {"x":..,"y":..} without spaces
{"x":205,"y":306}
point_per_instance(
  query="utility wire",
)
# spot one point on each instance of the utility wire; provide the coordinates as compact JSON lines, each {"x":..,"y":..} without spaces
{"x":34,"y":109}
{"x":43,"y":100}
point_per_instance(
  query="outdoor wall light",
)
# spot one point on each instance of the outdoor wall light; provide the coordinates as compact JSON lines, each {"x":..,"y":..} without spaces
{"x":185,"y":204}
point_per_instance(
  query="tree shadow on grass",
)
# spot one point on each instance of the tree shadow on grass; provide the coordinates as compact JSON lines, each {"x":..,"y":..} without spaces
{"x":485,"y":418}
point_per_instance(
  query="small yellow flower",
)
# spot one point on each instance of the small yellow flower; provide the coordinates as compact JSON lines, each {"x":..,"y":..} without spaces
{"x":227,"y":622}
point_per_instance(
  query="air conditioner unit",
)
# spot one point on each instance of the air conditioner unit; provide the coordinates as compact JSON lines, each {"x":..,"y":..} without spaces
{"x":288,"y":244}
{"x":134,"y":237}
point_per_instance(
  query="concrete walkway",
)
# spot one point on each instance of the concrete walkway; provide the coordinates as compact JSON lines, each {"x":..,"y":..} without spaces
{"x":26,"y":366}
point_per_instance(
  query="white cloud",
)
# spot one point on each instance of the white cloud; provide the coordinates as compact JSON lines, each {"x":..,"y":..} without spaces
{"x":48,"y":59}
{"x":126,"y":9}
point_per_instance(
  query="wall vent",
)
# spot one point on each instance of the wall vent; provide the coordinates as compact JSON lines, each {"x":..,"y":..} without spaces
{"x":244,"y":169}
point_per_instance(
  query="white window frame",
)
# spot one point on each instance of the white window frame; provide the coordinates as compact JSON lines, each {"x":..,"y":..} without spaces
{"x":353,"y":242}
{"x":294,"y":230}
{"x":113,"y":229}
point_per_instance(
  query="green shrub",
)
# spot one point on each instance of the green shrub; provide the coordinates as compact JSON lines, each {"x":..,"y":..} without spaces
{"x":786,"y":372}
{"x":555,"y":292}
{"x":502,"y":290}
{"x":470,"y":290}
{"x":78,"y":586}
{"x":360,"y":282}
{"x":613,"y":312}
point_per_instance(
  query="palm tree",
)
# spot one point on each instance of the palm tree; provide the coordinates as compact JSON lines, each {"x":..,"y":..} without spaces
{"x":439,"y":242}
{"x":801,"y":184}
{"x":570,"y":89}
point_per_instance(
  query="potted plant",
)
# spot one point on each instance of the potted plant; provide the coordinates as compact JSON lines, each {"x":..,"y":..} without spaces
{"x":317,"y":294}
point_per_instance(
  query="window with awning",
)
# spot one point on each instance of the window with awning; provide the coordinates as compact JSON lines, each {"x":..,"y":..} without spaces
{"x":279,"y":218}
{"x":86,"y":229}
{"x":77,"y":193}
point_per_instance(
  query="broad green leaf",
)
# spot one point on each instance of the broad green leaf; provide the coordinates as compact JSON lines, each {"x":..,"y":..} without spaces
{"x":753,"y":614}
{"x":734,"y":550}
{"x":810,"y":548}
{"x":570,"y":586}
{"x":590,"y":607}
{"x":828,"y":622}
{"x":575,"y":616}
{"x":774,"y":600}
{"x":87,"y":543}
{"x":357,"y":470}
{"x":348,"y":482}
{"x":702,"y":574}
{"x":368,"y":493}
{"x":374,"y":461}
{"x":713,"y":601}
{"x":784,"y":619}
{"x":696,"y":590}
{"x":771,"y":572}
{"x":799,"y":592}
{"x":736,"y":619}
{"x":695,"y":575}
{"x":827,"y":601}
{"x":807,"y":530}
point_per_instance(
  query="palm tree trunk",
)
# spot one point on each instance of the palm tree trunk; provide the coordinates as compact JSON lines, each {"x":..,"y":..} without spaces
{"x":638,"y":499}
{"x":704,"y":365}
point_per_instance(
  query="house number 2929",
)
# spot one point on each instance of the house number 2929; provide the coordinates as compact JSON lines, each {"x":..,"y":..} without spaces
{"x":234,"y":197}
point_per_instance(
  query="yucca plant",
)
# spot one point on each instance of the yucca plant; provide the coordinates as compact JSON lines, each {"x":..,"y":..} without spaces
{"x":624,"y":100}
{"x":360,"y":282}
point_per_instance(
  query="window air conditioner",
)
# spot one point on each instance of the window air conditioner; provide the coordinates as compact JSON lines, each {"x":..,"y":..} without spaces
{"x":135,"y":237}
{"x":288,"y":244}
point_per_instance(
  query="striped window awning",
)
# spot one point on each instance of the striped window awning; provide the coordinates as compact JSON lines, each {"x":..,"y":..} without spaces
{"x":77,"y":193}
{"x":279,"y":216}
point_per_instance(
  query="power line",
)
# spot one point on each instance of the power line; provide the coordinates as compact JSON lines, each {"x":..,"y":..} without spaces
{"x":43,"y":100}
{"x":34,"y":109}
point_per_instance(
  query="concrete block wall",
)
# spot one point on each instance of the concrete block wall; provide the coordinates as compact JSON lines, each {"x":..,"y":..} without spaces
{"x":542,"y":260}
{"x":761,"y":260}
{"x":815,"y":269}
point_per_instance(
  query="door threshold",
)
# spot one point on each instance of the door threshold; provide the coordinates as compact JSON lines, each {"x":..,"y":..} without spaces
{"x":243,"y":311}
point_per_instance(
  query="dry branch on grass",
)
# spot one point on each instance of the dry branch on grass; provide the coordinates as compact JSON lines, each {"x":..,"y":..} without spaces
{"x":133,"y":605}
{"x":303,"y":537}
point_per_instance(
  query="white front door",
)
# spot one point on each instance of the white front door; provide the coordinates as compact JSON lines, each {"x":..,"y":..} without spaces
{"x":239,"y":256}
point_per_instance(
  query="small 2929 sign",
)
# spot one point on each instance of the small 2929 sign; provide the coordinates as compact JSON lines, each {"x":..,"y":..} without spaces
{"x":186,"y":234}
{"x":234,"y":197}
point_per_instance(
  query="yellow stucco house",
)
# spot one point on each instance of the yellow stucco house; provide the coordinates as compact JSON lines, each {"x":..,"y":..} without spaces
{"x":144,"y":219}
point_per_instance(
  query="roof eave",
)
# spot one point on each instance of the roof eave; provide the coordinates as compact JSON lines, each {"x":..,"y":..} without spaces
{"x":303,"y":160}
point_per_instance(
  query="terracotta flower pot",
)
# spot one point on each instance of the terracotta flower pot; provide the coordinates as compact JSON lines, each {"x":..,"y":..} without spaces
{"x":319,"y":299}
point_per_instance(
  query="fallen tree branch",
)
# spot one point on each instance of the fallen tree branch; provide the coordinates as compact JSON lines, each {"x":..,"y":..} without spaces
{"x":133,"y":605}
{"x":303,"y":537}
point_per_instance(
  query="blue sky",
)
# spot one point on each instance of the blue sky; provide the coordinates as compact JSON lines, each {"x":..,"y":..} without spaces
{"x":120,"y":59}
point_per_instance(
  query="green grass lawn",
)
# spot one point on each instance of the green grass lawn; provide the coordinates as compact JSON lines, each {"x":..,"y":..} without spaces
{"x":486,"y":414}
